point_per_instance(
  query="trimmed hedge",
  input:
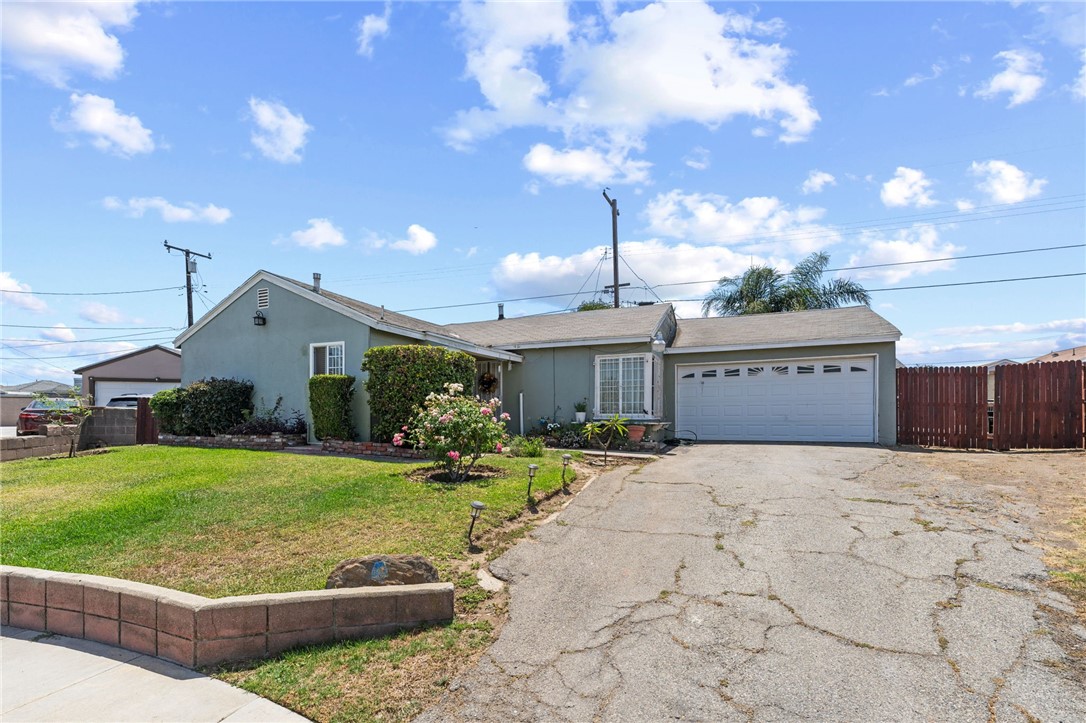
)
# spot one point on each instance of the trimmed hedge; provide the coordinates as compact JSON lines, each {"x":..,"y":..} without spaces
{"x":330,"y":402}
{"x":205,"y":407}
{"x":400,"y":377}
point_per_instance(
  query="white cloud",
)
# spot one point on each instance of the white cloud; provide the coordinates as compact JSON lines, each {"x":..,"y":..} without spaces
{"x":698,"y":158}
{"x":1060,"y":325}
{"x":964,"y":204}
{"x":1078,"y":88}
{"x":1006,"y":183}
{"x":937,"y":69}
{"x":321,"y":233}
{"x":587,"y":166}
{"x":908,"y":187}
{"x":816,"y":181}
{"x":22,"y":300}
{"x":760,"y":222}
{"x":532,"y":274}
{"x":1022,"y":77}
{"x":189,"y":212}
{"x":58,"y":332}
{"x":372,"y":27}
{"x":419,"y":240}
{"x":98,"y":313}
{"x":918,"y":243}
{"x":622,"y":74}
{"x":280,"y":135}
{"x":110,"y":130}
{"x":52,"y":40}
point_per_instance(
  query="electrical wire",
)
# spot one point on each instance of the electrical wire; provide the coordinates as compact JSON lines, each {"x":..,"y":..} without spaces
{"x":587,"y":279}
{"x":92,"y":293}
{"x":35,"y":358}
{"x":651,"y":289}
{"x":31,"y":343}
{"x":96,"y":328}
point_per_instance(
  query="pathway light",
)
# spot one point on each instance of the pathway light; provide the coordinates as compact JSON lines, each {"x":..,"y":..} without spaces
{"x":566,"y":458}
{"x":477,"y":508}
{"x":532,"y":468}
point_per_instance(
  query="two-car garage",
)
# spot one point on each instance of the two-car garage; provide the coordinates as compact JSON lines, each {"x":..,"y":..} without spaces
{"x":803,"y":400}
{"x":808,"y":376}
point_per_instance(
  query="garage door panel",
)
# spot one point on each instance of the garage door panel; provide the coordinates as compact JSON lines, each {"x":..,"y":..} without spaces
{"x":809,"y":400}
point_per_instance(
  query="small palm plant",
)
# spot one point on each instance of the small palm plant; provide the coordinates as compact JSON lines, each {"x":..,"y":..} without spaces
{"x":605,"y":432}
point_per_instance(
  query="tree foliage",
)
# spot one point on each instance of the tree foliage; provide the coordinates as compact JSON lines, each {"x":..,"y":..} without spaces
{"x":593,"y":305}
{"x":763,"y":289}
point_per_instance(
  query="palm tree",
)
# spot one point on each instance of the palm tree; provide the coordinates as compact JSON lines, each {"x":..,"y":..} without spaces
{"x":763,"y":289}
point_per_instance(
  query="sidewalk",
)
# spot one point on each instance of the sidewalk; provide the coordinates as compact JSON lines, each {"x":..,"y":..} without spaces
{"x":54,"y":678}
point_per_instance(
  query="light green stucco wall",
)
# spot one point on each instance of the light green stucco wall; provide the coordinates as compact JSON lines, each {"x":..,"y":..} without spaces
{"x":553,"y":380}
{"x":275,"y":357}
{"x":887,"y":389}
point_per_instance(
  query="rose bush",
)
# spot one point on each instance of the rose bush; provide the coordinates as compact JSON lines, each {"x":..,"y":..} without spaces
{"x":454,"y":430}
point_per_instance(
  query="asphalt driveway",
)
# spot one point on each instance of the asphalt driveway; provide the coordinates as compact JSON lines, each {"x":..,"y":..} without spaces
{"x":774,"y":582}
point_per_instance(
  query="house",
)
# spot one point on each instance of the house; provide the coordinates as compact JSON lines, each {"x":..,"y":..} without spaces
{"x":824,"y":375}
{"x":141,"y":371}
{"x":14,"y":397}
{"x":991,"y":375}
{"x":1074,"y":353}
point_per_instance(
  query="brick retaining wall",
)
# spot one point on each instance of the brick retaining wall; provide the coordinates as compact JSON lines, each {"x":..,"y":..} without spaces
{"x":56,"y":440}
{"x":195,"y":631}
{"x":257,"y":442}
{"x":377,"y":449}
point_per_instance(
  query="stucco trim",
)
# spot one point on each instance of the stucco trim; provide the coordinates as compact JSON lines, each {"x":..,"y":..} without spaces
{"x":264,"y":276}
{"x":784,"y":345}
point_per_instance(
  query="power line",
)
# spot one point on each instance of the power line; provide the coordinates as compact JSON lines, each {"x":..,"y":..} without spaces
{"x":96,"y":328}
{"x":911,"y":263}
{"x":35,"y":358}
{"x":63,"y":356}
{"x":650,"y":289}
{"x":122,"y":337}
{"x":91,"y":293}
{"x":587,"y":279}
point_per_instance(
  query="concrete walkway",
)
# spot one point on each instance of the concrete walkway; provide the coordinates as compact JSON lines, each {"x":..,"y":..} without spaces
{"x":54,"y":678}
{"x":775,"y":582}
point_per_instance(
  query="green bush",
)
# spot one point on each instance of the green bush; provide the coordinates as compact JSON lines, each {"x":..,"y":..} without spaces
{"x":205,"y":407}
{"x":330,"y":398}
{"x":166,"y":406}
{"x":400,"y":378}
{"x":526,"y":447}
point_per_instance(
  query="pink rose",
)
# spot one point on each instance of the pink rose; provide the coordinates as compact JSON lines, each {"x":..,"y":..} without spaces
{"x":505,"y":417}
{"x":485,"y":411}
{"x":454,"y":456}
{"x":403,"y":428}
{"x":397,"y":439}
{"x":498,"y":447}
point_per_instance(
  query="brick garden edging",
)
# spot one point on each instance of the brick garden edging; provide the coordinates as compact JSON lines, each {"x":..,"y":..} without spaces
{"x":377,"y":449}
{"x":193,"y":631}
{"x":256,"y":442}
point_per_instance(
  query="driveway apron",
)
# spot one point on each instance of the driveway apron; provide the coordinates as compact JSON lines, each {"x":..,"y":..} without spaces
{"x":769,"y":582}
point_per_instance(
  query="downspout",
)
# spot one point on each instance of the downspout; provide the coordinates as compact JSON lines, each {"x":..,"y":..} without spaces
{"x":522,"y":414}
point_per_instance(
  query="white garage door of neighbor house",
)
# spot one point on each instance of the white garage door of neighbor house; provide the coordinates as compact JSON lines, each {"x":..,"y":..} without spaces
{"x":802,"y":400}
{"x":104,"y":391}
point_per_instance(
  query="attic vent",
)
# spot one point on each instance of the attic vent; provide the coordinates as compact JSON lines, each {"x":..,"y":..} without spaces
{"x":262,"y":299}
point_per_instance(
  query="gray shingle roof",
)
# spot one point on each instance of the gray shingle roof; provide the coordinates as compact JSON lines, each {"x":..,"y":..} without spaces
{"x":401,"y":320}
{"x":850,"y":322}
{"x":624,"y":323}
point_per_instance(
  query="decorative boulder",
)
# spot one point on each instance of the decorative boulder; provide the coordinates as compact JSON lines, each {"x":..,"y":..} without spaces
{"x":382,"y":570}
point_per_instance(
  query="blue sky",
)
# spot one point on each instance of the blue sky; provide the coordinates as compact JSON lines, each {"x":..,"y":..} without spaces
{"x":439,"y":154}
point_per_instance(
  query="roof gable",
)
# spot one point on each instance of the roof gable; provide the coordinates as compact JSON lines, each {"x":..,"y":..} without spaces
{"x":128,"y":355}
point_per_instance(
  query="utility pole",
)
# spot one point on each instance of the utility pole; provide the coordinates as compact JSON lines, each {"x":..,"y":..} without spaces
{"x":613,"y":203}
{"x":190,"y":266}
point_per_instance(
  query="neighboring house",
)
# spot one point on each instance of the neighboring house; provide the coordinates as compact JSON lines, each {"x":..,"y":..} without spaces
{"x":823,"y":375}
{"x":991,"y":375}
{"x":142,"y":371}
{"x":14,"y":397}
{"x":1075,"y":353}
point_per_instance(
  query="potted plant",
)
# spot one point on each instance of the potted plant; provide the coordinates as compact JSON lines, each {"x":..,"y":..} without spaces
{"x":636,"y":432}
{"x":579,"y":410}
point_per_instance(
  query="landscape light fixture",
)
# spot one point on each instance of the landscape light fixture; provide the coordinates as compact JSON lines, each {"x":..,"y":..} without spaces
{"x":477,"y":508}
{"x":531,"y":478}
{"x":566,"y":458}
{"x":259,"y":319}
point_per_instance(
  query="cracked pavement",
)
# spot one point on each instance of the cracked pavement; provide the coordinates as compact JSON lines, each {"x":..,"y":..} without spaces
{"x":773,"y":582}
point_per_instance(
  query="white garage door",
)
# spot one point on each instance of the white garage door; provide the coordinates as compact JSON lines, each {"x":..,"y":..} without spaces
{"x":808,"y":400}
{"x":104,"y":391}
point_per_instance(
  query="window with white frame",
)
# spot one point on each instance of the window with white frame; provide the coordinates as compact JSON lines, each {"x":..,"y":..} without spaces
{"x":624,"y":385}
{"x":326,"y":358}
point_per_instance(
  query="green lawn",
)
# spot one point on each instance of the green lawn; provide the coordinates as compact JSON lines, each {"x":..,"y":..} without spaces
{"x":227,"y":522}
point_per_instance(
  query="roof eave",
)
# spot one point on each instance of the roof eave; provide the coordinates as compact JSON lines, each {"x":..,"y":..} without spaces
{"x":784,"y":344}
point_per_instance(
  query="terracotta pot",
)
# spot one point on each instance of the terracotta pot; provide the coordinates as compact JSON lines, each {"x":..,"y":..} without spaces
{"x":636,"y":432}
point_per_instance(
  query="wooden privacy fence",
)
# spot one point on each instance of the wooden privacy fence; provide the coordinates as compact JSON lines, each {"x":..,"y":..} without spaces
{"x":146,"y":424}
{"x":1036,"y":406}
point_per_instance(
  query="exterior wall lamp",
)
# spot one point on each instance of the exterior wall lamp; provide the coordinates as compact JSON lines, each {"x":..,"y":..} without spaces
{"x":658,"y":344}
{"x":259,"y":319}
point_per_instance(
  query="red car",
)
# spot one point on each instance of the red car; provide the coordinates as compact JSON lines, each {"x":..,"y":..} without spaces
{"x":37,"y":413}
